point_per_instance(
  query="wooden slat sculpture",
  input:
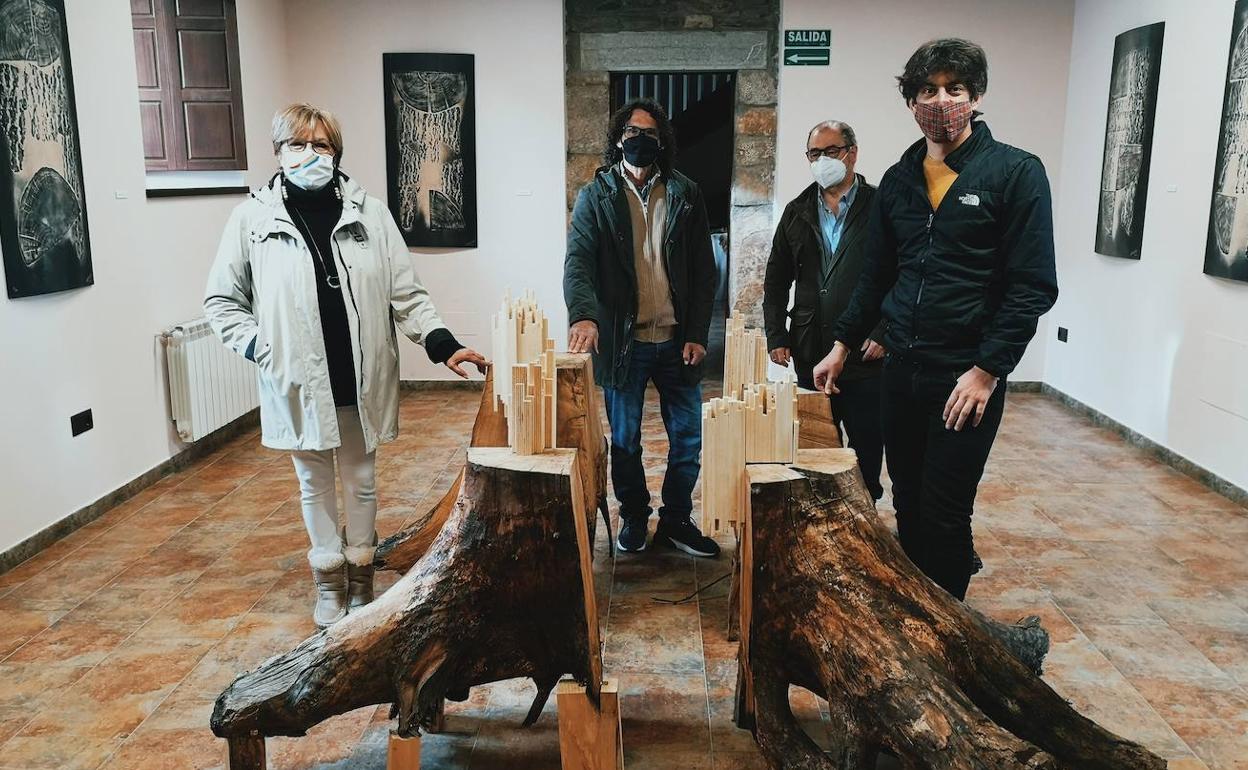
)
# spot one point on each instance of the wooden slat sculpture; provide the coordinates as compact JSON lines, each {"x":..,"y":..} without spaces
{"x":520,"y":334}
{"x":771,"y":424}
{"x":831,"y":603}
{"x":531,"y":414}
{"x":745,"y":357}
{"x":723,"y":464}
{"x":761,"y":427}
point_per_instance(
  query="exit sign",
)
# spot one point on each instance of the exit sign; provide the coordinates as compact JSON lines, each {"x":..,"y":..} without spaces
{"x":807,"y":47}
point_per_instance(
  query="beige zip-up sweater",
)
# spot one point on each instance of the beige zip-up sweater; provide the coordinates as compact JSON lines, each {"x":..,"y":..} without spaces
{"x":656,"y":318}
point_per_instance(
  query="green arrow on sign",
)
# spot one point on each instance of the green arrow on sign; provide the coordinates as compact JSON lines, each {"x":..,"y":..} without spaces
{"x":806,"y":56}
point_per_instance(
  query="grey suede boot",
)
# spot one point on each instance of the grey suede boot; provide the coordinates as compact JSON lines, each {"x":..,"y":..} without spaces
{"x":331,"y":587}
{"x":360,"y":574}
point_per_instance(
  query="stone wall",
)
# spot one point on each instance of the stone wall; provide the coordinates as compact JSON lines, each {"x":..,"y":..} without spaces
{"x":605,"y":36}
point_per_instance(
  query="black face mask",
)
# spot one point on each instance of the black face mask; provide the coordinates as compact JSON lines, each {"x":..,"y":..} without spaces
{"x":640,"y":151}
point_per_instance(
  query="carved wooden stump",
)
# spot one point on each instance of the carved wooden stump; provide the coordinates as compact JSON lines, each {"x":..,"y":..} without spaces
{"x":831,"y":603}
{"x":816,"y":430}
{"x":578,"y":426}
{"x":505,"y":590}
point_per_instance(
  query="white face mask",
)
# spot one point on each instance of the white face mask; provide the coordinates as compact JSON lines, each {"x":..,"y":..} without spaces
{"x":828,"y":172}
{"x":307,"y":169}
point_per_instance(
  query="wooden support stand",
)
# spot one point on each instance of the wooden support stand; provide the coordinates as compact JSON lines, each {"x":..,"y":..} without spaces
{"x":816,"y":427}
{"x":589,"y":735}
{"x":403,"y":753}
{"x":245,"y":752}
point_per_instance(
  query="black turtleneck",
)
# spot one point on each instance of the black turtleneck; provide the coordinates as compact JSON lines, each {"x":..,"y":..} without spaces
{"x":315,"y":213}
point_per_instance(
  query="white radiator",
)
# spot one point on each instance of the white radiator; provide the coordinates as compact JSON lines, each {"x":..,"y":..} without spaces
{"x":209,"y":385}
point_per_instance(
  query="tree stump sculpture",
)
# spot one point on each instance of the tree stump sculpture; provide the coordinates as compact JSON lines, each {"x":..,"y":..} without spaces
{"x":578,"y":426}
{"x":504,"y":590}
{"x":816,"y":430}
{"x":831,"y":603}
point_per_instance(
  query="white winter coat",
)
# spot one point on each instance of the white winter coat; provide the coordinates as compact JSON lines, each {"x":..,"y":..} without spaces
{"x":263,"y":287}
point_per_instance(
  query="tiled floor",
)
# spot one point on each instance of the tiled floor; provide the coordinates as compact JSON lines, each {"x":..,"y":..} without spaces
{"x":115,"y":641}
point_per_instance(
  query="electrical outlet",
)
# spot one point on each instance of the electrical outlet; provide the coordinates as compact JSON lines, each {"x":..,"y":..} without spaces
{"x":81,"y":422}
{"x":1062,"y":334}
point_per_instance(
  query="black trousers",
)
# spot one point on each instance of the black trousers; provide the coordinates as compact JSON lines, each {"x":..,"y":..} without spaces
{"x":856,"y":410}
{"x":935,"y":471}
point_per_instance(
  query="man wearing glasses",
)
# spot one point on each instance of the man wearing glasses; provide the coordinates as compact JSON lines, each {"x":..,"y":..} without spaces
{"x":639,"y":280}
{"x":960,"y":268}
{"x":820,"y":245}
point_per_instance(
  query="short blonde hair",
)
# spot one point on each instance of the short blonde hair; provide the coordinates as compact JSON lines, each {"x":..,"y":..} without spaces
{"x":298,"y":121}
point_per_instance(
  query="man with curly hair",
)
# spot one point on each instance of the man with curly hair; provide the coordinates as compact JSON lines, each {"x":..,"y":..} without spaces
{"x":639,"y":281}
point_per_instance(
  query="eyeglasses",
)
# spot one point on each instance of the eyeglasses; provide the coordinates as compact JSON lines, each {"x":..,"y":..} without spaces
{"x":835,"y":151}
{"x":631,"y":131}
{"x":320,"y":148}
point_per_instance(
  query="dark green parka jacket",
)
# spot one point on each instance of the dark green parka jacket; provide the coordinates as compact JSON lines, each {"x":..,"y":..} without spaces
{"x":600,"y":276}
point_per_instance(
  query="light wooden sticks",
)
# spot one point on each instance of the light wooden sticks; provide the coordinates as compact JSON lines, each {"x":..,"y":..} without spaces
{"x":524,"y":374}
{"x":519,"y":333}
{"x":531,"y":420}
{"x":745,"y":357}
{"x":771,"y":423}
{"x":762,"y":428}
{"x":723,"y":465}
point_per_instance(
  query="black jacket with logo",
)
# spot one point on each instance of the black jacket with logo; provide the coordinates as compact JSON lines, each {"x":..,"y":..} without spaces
{"x":600,"y":274}
{"x":963,"y":285}
{"x":821,"y":295}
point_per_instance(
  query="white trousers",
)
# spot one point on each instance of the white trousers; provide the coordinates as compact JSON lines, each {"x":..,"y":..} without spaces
{"x":357,"y":470}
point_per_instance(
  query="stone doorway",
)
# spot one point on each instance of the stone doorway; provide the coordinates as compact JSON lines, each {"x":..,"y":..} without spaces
{"x":605,"y":37}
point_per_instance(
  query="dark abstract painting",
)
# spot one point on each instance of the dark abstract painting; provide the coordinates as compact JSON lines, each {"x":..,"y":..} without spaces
{"x":431,"y":147}
{"x":1129,"y":141}
{"x":43,"y":213}
{"x":1226,"y":247}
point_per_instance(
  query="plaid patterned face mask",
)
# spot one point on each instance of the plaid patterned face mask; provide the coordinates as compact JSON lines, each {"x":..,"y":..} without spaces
{"x":942,"y":121}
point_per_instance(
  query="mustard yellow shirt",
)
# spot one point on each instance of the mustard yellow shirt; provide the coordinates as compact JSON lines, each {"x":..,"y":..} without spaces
{"x":939,"y":179}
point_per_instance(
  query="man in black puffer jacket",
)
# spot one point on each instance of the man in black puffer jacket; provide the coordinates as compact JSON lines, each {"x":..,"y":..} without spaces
{"x":961,"y":268}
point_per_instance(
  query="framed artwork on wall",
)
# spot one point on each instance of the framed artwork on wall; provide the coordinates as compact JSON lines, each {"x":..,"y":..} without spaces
{"x":1129,"y":141}
{"x":43,"y":210}
{"x":431,"y":157}
{"x":1226,"y":246}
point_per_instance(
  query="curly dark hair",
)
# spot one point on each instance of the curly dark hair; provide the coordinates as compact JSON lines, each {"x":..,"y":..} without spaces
{"x":619,"y":119}
{"x":960,"y":58}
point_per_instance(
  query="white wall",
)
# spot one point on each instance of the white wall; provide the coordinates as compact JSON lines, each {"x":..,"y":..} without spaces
{"x":335,"y":62}
{"x":96,"y":347}
{"x":1139,"y":330}
{"x":1027,"y":43}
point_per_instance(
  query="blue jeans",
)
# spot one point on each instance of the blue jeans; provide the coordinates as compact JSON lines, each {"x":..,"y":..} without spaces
{"x":681,"y":406}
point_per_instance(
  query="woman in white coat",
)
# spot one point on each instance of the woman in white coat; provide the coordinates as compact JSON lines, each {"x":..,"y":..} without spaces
{"x":310,"y":280}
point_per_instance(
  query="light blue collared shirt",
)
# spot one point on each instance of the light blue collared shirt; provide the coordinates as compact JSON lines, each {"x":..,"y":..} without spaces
{"x":833,"y":225}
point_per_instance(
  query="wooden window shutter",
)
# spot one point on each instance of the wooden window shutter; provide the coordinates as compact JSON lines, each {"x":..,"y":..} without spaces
{"x":190,"y":89}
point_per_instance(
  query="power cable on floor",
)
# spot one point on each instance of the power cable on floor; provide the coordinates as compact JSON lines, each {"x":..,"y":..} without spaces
{"x":692,"y":595}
